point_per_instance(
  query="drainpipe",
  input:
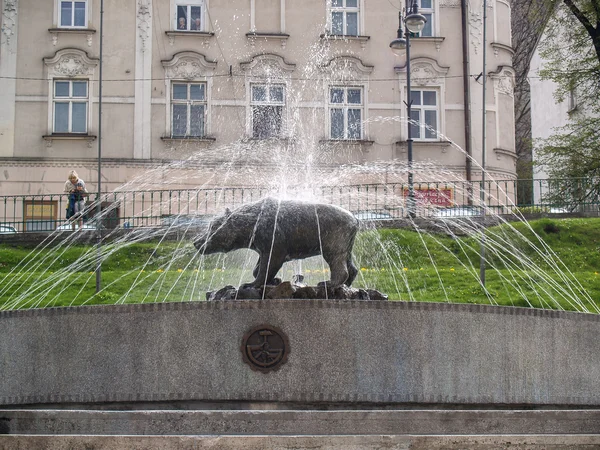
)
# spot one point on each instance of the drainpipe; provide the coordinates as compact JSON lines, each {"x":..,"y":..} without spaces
{"x":466,"y":94}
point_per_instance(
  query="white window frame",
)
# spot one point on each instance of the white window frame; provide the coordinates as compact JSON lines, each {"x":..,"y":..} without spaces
{"x":58,"y":16}
{"x":421,"y":110}
{"x":71,"y":64}
{"x":430,"y":14}
{"x":189,"y":103}
{"x":345,"y":106}
{"x":70,"y":100}
{"x":268,"y":102}
{"x":188,"y":67}
{"x":344,"y":9}
{"x":203,"y":4}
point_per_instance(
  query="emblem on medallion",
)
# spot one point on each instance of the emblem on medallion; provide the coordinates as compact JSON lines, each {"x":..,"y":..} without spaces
{"x":265,"y":348}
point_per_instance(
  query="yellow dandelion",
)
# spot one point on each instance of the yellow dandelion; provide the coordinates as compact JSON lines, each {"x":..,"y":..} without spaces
{"x":363,"y":269}
{"x":383,"y":269}
{"x":196,"y":270}
{"x":405,"y":269}
{"x":451,"y":269}
{"x":160,"y":271}
{"x":179,"y":270}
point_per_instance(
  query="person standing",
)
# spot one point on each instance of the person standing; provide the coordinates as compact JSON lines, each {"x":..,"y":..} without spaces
{"x":75,"y":189}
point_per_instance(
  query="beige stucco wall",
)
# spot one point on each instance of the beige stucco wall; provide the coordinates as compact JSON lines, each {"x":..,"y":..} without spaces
{"x":229,"y":47}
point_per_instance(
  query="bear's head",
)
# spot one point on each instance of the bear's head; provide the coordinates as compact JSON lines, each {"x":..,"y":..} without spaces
{"x":220,"y":236}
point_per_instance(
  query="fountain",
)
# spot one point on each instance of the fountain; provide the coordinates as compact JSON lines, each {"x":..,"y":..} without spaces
{"x":351,"y":371}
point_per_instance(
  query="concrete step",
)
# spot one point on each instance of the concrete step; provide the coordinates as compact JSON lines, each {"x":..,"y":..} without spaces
{"x":299,"y":422}
{"x":459,"y":442}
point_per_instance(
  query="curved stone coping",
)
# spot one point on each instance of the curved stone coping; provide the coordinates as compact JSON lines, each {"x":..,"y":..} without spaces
{"x":301,"y":304}
{"x":341,"y":352}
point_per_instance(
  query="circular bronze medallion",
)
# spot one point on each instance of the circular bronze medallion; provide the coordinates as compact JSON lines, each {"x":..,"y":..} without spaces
{"x":265,"y":348}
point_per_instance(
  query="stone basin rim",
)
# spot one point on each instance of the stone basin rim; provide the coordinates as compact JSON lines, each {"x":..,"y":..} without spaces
{"x":301,"y":304}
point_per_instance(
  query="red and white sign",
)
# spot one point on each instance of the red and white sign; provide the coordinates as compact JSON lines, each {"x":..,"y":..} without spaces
{"x":432,"y":196}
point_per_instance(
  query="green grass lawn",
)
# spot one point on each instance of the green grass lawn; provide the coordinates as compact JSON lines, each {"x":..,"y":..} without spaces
{"x":547,"y":263}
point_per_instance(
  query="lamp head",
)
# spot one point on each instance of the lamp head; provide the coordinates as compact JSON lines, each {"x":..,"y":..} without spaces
{"x":398,"y":46}
{"x":414,"y":21}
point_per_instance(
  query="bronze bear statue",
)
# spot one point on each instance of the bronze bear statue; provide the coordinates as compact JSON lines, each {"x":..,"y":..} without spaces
{"x":286,"y":230}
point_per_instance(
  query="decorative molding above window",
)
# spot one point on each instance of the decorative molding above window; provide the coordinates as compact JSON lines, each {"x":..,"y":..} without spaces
{"x":502,"y":151}
{"x":171,"y":142}
{"x":346,"y":68}
{"x":437,"y":41}
{"x":49,"y":138}
{"x":203,"y":36}
{"x":504,"y":80}
{"x":497,"y":47}
{"x":267,"y":65}
{"x":334,"y":142}
{"x":425,"y":72}
{"x":69,"y":63}
{"x":442,"y":146}
{"x":327,"y":38}
{"x":188,"y":66}
{"x":89,"y":34}
{"x":449,"y":3}
{"x":334,"y":146}
{"x":254,"y":36}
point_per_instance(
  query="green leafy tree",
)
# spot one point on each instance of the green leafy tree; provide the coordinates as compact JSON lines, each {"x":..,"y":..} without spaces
{"x":571,"y":49}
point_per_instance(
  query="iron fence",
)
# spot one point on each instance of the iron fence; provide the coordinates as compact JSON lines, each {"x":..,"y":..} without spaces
{"x":159,"y":208}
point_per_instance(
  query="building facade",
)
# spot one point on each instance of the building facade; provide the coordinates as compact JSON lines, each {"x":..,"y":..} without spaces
{"x":216,"y":92}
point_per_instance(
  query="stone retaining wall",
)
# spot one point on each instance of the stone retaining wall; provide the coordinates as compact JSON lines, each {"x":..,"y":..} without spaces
{"x":340,"y":352}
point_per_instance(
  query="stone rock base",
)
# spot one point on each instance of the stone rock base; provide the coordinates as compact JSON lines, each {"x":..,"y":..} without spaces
{"x":294,"y":290}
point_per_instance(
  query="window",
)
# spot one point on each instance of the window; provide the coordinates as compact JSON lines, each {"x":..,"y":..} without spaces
{"x":424,"y":115}
{"x":188,"y":108}
{"x":344,"y":17}
{"x":345,"y":112}
{"x":189,"y":16}
{"x":267,"y":103}
{"x":70,"y":105}
{"x":426,"y":9}
{"x":73,"y":14}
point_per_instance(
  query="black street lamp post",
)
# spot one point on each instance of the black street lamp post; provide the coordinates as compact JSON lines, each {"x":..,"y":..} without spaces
{"x":414,"y":23}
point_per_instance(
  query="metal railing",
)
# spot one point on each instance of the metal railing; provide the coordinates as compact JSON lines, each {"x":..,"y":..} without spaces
{"x":155,"y":208}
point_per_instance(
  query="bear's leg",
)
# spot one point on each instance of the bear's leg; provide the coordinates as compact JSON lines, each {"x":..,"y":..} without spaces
{"x":339,"y":271}
{"x":265,"y":271}
{"x":352,"y":270}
